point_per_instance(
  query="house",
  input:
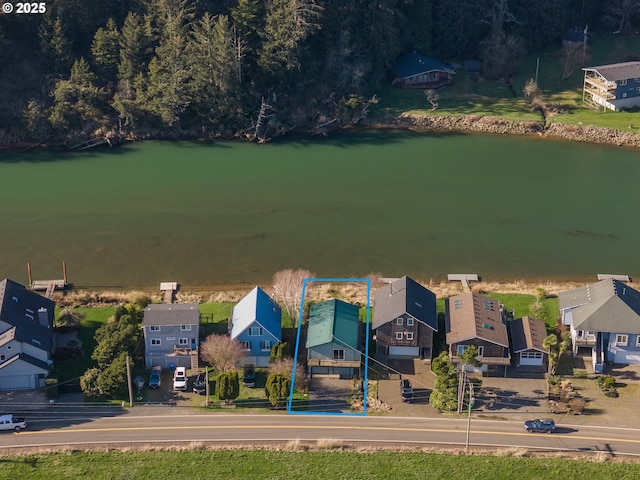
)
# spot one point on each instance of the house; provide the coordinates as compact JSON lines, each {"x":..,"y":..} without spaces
{"x":333,"y":339}
{"x":171,"y":334}
{"x":615,"y":86}
{"x":603,"y":317}
{"x":405,"y":319}
{"x":26,"y":337}
{"x":474,"y":319}
{"x":527,"y":337}
{"x":256,"y":322}
{"x":413,"y":70}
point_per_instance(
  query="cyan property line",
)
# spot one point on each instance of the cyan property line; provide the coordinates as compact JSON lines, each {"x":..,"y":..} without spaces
{"x":366,"y":348}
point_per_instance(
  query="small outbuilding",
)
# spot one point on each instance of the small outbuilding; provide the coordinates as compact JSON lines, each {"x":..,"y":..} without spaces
{"x":527,"y":337}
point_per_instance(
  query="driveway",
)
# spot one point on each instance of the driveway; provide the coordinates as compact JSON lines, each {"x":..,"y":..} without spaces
{"x":329,"y":395}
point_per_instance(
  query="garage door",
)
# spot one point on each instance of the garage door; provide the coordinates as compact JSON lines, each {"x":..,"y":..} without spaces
{"x":531,"y":358}
{"x":404,"y":351}
{"x":16,"y":382}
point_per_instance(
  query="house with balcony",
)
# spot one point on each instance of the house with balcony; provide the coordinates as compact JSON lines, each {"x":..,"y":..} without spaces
{"x":475,"y":319}
{"x":171,"y":334}
{"x":405,"y":319}
{"x":256,"y":322}
{"x":614,"y":87}
{"x":333,"y":339}
{"x":604,"y":319}
{"x":26,"y":337}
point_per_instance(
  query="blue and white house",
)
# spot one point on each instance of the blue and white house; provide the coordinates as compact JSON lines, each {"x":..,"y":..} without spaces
{"x":171,"y":333}
{"x":614,"y":87}
{"x":605,"y":318}
{"x":256,"y":322}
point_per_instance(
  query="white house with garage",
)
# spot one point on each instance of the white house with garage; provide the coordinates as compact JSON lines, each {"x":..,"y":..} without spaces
{"x":26,"y":337}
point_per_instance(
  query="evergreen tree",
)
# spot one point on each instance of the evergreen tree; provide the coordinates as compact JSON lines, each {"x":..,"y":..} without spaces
{"x":277,"y":388}
{"x":55,"y":45}
{"x":228,"y":386}
{"x":105,"y":50}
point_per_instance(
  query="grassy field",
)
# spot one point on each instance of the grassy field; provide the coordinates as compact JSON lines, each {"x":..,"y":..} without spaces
{"x":328,"y":462}
{"x":470,"y":96}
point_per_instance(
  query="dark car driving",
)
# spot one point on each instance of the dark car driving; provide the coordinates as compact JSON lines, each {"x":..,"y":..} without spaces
{"x":406,"y":390}
{"x":545,"y":425}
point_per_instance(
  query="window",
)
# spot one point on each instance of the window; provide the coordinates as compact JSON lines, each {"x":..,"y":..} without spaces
{"x":622,"y":339}
{"x":480,"y":351}
{"x":154,"y":328}
{"x":398,"y":335}
{"x":255,"y":331}
{"x":185,"y":328}
{"x":462,"y":349}
{"x":265,"y":345}
{"x":637,"y":90}
{"x":399,"y":321}
{"x":183,"y":341}
{"x":624,"y":95}
{"x":2,"y":358}
{"x":155,"y":341}
{"x":533,"y":355}
{"x":409,"y":335}
{"x":638,"y":341}
{"x":623,"y":82}
{"x":338,"y":354}
{"x":409,"y":322}
{"x":246,"y":345}
{"x":457,"y":303}
{"x":171,"y":339}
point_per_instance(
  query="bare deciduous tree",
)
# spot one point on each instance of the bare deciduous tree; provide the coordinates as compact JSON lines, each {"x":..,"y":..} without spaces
{"x":287,"y":286}
{"x":432,"y":98}
{"x":572,"y":59}
{"x":224,"y":354}
{"x":618,"y":13}
{"x":284,"y":366}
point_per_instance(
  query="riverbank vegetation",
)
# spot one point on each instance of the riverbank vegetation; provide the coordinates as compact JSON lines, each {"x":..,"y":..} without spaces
{"x":323,"y":459}
{"x":92,"y":71}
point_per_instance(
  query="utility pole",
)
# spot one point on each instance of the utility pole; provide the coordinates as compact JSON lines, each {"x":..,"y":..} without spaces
{"x":129,"y":382}
{"x":206,"y":386}
{"x":471,"y":401}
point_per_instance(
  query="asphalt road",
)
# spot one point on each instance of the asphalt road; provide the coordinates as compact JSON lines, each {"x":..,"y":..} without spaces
{"x":168,"y":426}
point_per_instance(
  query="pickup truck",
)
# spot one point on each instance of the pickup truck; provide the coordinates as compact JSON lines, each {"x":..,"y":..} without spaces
{"x":9,"y":422}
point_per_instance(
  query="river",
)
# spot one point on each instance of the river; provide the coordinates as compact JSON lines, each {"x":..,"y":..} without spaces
{"x":229,"y":213}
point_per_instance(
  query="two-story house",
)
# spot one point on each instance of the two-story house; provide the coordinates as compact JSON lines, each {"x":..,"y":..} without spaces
{"x":256,"y":322}
{"x":615,"y":86}
{"x":603,"y":317}
{"x":26,"y":337}
{"x":171,"y":334}
{"x":333,"y":339}
{"x":405,"y":319}
{"x":474,"y":319}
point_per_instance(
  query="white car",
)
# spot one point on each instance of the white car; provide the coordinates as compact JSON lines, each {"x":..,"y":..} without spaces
{"x":180,"y":379}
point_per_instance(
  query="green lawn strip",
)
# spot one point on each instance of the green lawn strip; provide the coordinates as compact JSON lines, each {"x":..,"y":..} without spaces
{"x":523,"y":305}
{"x":333,"y":464}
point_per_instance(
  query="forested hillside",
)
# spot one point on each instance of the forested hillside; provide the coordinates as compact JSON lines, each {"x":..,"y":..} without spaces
{"x":254,"y":68}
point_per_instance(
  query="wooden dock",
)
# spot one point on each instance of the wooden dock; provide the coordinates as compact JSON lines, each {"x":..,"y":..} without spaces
{"x":169,"y":289}
{"x":48,"y":286}
{"x":465,"y":278}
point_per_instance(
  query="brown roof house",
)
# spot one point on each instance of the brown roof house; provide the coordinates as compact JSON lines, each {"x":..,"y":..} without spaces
{"x":473,"y":319}
{"x":527,"y":337}
{"x":405,"y":319}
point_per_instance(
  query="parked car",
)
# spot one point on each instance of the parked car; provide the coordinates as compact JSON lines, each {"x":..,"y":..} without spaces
{"x":406,"y":390}
{"x":200,"y":385}
{"x":545,"y":425}
{"x":9,"y":422}
{"x":249,"y":376}
{"x":155,"y":379}
{"x":180,"y":379}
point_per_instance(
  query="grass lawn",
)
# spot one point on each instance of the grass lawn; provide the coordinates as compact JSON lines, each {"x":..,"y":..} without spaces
{"x":325,"y":463}
{"x":523,"y":305}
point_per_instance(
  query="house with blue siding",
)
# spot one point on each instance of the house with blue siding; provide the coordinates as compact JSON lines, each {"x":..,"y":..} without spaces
{"x":256,"y":322}
{"x":603,"y":318}
{"x":614,"y":87}
{"x":333,"y":339}
{"x":171,"y":334}
{"x":26,"y":337}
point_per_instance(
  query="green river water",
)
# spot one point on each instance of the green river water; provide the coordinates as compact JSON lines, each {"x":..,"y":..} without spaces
{"x":375,"y":201}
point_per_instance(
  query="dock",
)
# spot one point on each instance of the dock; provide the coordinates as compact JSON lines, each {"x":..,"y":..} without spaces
{"x":169,"y":289}
{"x":48,"y":286}
{"x":465,"y":278}
{"x":622,"y":278}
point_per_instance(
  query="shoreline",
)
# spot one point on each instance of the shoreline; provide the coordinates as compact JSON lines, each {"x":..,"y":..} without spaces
{"x":87,"y":297}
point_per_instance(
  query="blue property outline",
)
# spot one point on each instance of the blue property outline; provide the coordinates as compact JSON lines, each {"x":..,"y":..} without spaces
{"x":366,"y":348}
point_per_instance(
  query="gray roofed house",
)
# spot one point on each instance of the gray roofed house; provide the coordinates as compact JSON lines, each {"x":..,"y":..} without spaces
{"x":171,"y":335}
{"x":26,"y":337}
{"x":405,"y":319}
{"x":605,"y":318}
{"x":527,"y":338}
{"x":474,"y":319}
{"x":614,"y":87}
{"x":413,"y":70}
